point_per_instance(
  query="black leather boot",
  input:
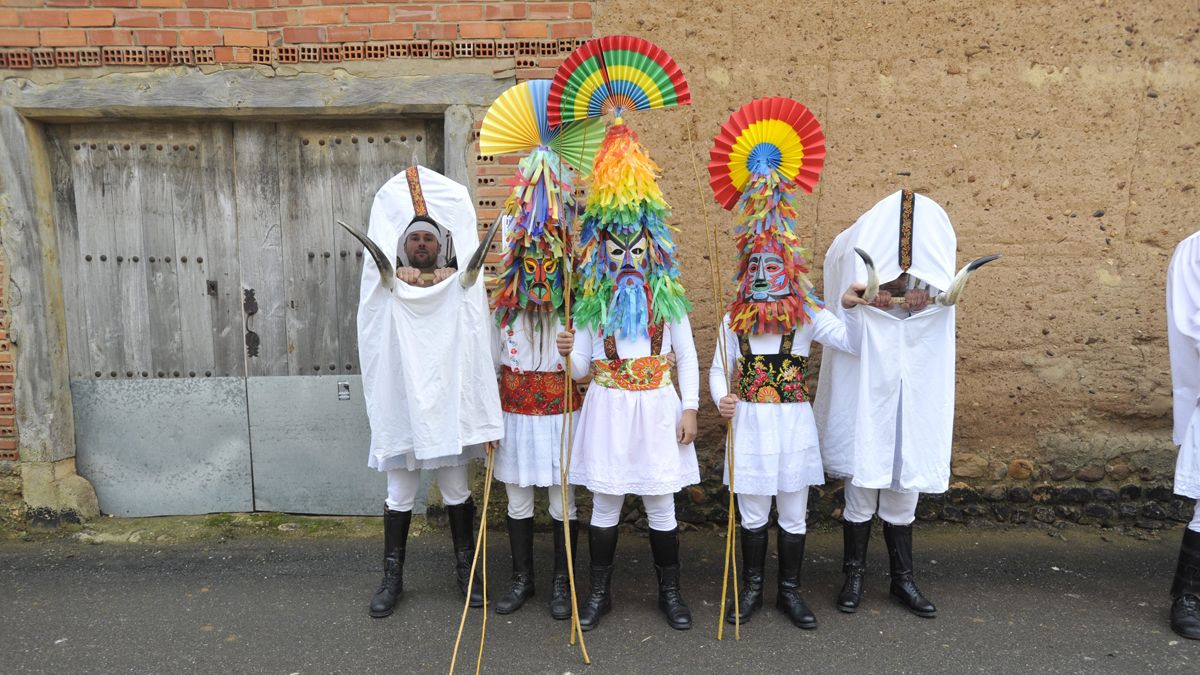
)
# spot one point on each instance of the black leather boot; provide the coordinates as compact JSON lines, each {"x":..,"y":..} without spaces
{"x":854,"y":564}
{"x":520,"y":539}
{"x":395,"y":537}
{"x":560,"y":585}
{"x":788,"y":600}
{"x":664,"y":545}
{"x":602,"y":545}
{"x":899,"y":544}
{"x":1185,"y":611}
{"x":754,"y":558}
{"x":462,"y":532}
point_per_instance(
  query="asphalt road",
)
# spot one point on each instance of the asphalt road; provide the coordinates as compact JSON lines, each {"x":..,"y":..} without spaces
{"x":1010,"y":601}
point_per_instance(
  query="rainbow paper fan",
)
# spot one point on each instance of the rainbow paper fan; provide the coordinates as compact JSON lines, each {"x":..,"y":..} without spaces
{"x":517,"y":121}
{"x":616,"y":73}
{"x":764,"y":136}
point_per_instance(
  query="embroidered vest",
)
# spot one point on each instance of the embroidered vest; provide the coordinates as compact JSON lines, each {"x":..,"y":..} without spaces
{"x":639,"y":374}
{"x":772,"y":378}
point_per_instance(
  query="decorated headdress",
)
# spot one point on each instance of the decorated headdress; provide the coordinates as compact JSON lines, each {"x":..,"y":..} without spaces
{"x":764,"y":153}
{"x":541,"y":205}
{"x":628,"y":278}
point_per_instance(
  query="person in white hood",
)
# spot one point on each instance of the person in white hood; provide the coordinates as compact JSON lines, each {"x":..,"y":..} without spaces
{"x":885,"y":416}
{"x":1183,"y":338}
{"x":426,"y":361}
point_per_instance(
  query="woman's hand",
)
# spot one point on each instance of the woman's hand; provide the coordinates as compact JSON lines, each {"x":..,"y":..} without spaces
{"x":686,"y":429}
{"x":727,"y":405}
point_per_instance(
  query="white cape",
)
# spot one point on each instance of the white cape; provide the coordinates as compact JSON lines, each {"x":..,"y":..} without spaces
{"x":1183,"y":338}
{"x":885,"y":417}
{"x":425,"y":353}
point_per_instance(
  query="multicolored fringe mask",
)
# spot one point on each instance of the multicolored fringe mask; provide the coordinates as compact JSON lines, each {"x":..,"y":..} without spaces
{"x":774,"y":293}
{"x":628,"y":280}
{"x":541,"y":208}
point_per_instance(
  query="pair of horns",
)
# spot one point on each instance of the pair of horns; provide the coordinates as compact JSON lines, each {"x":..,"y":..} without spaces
{"x":387,"y":272}
{"x":945,"y":298}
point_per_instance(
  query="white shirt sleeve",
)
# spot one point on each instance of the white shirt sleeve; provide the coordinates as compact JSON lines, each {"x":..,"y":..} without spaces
{"x":718,"y":379}
{"x":831,"y":332}
{"x":581,"y":354}
{"x":686,"y":363}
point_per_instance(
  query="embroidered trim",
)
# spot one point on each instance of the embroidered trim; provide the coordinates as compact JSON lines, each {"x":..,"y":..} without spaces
{"x":907,"y":199}
{"x":534,"y":392}
{"x":641,"y":374}
{"x":656,"y":339}
{"x":773,"y":378}
{"x":414,"y":189}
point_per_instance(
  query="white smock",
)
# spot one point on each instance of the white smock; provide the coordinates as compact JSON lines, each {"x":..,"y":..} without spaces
{"x":1183,"y":338}
{"x":528,"y":454}
{"x":775,"y":446}
{"x":885,"y":418}
{"x":425,"y":353}
{"x":625,"y":441}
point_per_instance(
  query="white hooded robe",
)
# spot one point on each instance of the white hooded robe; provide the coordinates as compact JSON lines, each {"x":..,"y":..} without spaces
{"x":1183,"y":339}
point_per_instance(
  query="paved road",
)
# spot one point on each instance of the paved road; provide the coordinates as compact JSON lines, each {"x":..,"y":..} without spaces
{"x":1010,"y":600}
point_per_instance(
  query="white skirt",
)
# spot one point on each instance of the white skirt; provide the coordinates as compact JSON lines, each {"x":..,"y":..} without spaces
{"x":409,"y":462}
{"x":528,"y":453}
{"x":775,"y":449}
{"x":625,"y":443}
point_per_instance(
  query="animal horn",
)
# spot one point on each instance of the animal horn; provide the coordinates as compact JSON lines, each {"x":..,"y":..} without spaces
{"x":950,"y":295}
{"x":471,"y":273}
{"x":872,"y":276}
{"x":387,"y":273}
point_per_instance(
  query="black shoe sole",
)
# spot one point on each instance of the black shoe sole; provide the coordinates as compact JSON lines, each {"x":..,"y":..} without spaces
{"x":847,"y":610}
{"x":382,"y":615}
{"x":1190,"y":635}
{"x":587,"y":627}
{"x":915,"y":612}
{"x":680,"y":626}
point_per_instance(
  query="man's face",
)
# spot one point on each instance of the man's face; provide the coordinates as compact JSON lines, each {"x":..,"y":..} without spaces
{"x":422,"y":249}
{"x":627,"y":257}
{"x":541,"y":276}
{"x":766,"y":278}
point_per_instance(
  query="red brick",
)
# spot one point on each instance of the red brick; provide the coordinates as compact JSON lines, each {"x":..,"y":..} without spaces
{"x":183,"y":19}
{"x":105,"y":38}
{"x":64,"y":38}
{"x":231,"y":20}
{"x":275,"y":18}
{"x":481,"y":29}
{"x":223,"y":54}
{"x":321,"y":15}
{"x":348,"y":33}
{"x":135,"y":19}
{"x":162,"y":3}
{"x":392,"y":31}
{"x":200,"y":38}
{"x":505,"y":10}
{"x":550,"y":10}
{"x":581,"y":10}
{"x":306,"y":34}
{"x":48,"y":18}
{"x":207,"y":4}
{"x":156,"y":38}
{"x":436,"y":31}
{"x":127,"y":4}
{"x":295,"y":3}
{"x":567,"y":29}
{"x":413,"y":13}
{"x":91,"y":17}
{"x":460,"y":13}
{"x":252,"y":4}
{"x":67,"y":3}
{"x":526,"y":29}
{"x":9,"y":17}
{"x":245,"y":38}
{"x":368,"y":14}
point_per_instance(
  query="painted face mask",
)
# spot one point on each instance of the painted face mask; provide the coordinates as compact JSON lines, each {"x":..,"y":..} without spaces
{"x":541,"y":283}
{"x":627,"y":258}
{"x":766,"y":278}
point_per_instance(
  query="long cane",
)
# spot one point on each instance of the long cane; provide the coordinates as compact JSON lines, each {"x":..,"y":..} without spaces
{"x":565,"y":443}
{"x":480,"y":545}
{"x":730,"y":525}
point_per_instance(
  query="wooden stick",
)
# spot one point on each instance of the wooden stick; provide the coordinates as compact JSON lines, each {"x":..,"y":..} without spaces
{"x":565,"y":442}
{"x":480,"y":540}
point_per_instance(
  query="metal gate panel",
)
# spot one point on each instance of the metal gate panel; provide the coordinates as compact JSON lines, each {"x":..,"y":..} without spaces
{"x":311,"y":438}
{"x":164,"y":447}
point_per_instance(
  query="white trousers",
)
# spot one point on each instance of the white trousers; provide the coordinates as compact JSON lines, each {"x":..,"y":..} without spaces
{"x":897,"y":508}
{"x":1194,"y":526}
{"x":520,"y":501}
{"x":660,"y":510}
{"x":792,"y":506}
{"x":402,"y":486}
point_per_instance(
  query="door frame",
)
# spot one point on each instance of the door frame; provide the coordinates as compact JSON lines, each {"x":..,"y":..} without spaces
{"x":41,"y":383}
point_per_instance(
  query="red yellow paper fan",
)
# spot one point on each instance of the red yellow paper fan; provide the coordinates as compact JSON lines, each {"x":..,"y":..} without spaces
{"x":517,"y":121}
{"x":766,"y":135}
{"x":615,"y":73}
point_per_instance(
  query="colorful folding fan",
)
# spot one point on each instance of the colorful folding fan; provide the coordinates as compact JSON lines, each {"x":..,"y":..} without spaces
{"x":518,"y":121}
{"x":767,"y":135}
{"x":615,"y":73}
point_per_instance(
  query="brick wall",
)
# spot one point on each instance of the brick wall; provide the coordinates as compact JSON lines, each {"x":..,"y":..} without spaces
{"x":8,"y":430}
{"x":89,"y":33}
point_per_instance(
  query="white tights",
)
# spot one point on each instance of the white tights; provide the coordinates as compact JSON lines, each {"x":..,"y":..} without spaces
{"x":660,"y":510}
{"x":1194,"y":526}
{"x":897,"y":508}
{"x":520,"y":501}
{"x":402,"y":486}
{"x":793,"y":511}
